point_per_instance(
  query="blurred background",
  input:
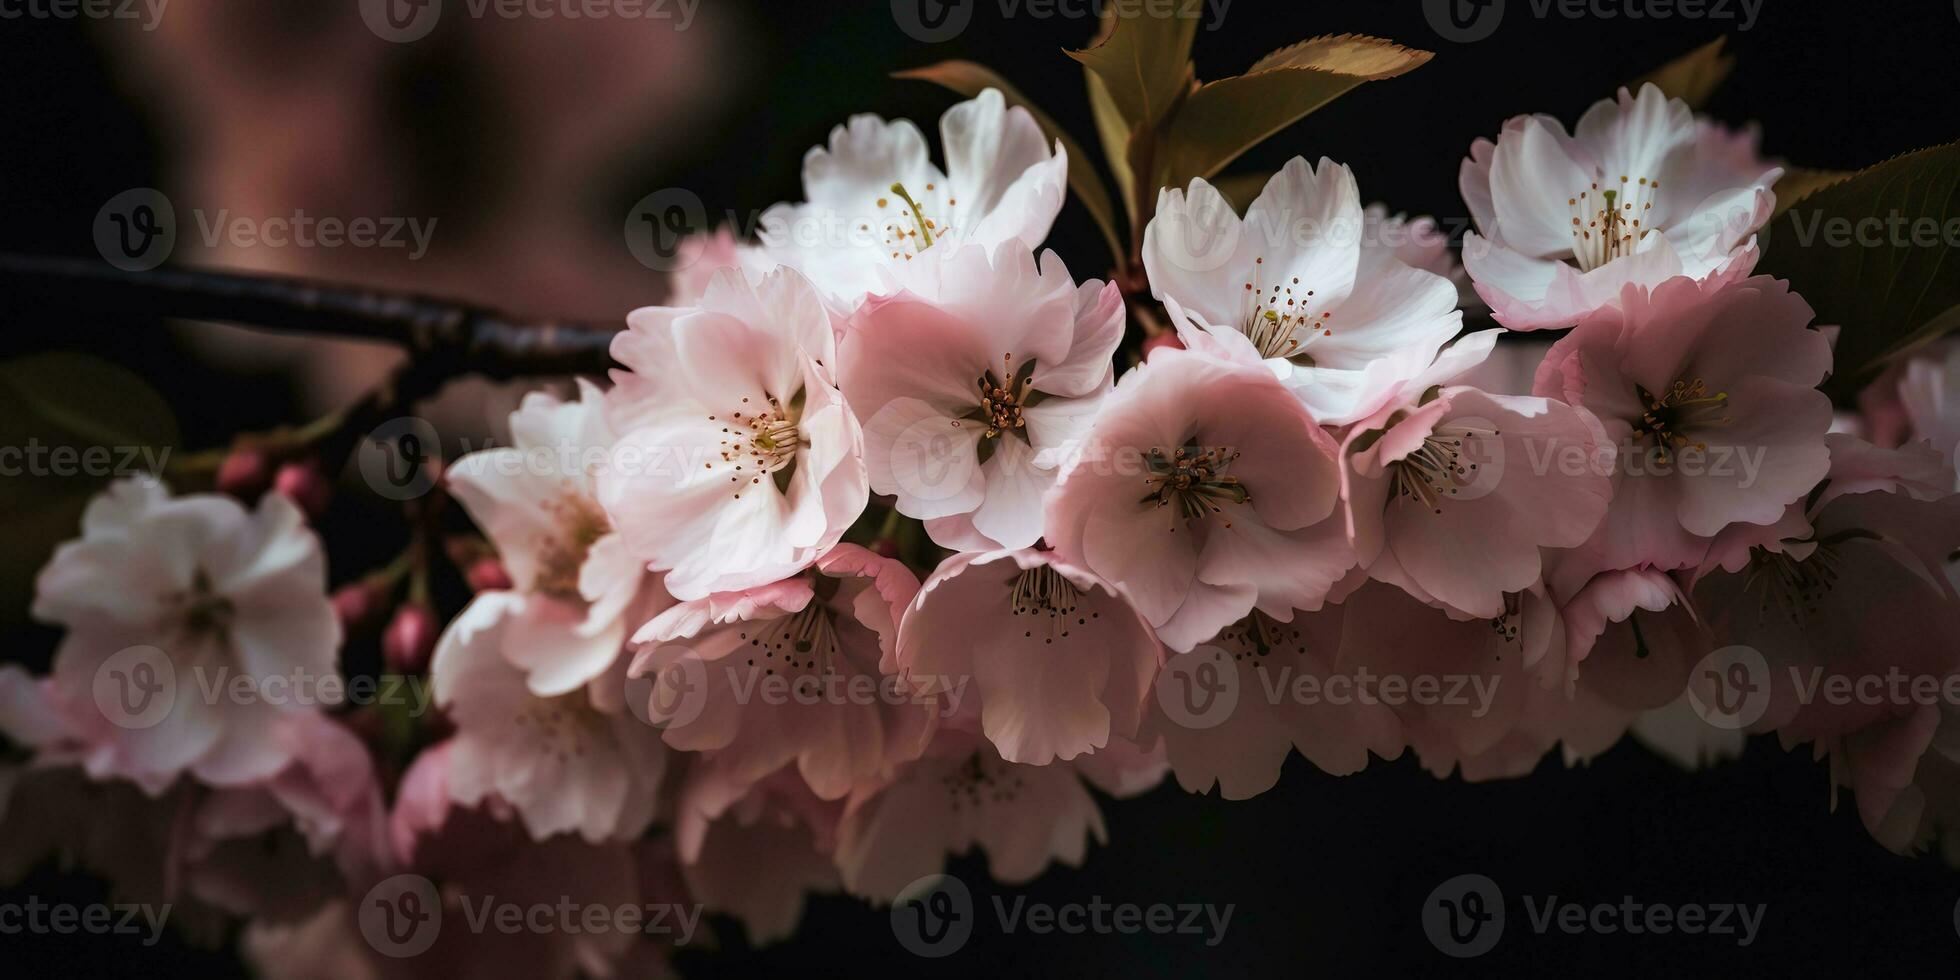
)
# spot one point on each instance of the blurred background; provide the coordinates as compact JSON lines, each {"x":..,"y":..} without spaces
{"x":522,"y":146}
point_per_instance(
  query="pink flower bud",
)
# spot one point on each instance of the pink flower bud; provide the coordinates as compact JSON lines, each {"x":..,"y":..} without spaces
{"x":359,"y":603}
{"x":488,"y":575}
{"x":409,"y":639}
{"x":305,"y":484}
{"x":244,"y":474}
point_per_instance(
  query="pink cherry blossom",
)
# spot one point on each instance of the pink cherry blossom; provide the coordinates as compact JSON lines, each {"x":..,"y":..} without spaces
{"x":1242,"y":746}
{"x":790,"y":673}
{"x":877,"y":201}
{"x":738,"y":461}
{"x":1060,"y":661}
{"x":576,"y":590}
{"x":962,"y":795}
{"x":1639,"y":192}
{"x":1708,"y":395}
{"x":574,"y":762}
{"x":973,"y":383}
{"x":1291,"y":284}
{"x":1204,"y":490}
{"x":728,"y":826}
{"x":168,"y":604}
{"x":1454,"y":498}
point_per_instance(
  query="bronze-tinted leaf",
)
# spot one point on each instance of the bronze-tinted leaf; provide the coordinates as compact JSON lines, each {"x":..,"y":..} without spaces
{"x":1145,"y":60}
{"x":1223,"y":119}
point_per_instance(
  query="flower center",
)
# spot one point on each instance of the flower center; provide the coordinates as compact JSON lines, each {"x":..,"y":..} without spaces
{"x":1792,"y":586}
{"x":1440,"y":467}
{"x":1261,"y":634}
{"x":579,"y":523}
{"x":1670,"y":415}
{"x":1044,"y":593}
{"x":563,"y":728}
{"x":805,"y":640}
{"x":1278,"y":322}
{"x":201,"y":611}
{"x":1001,"y":403}
{"x":1508,"y":625}
{"x":1608,"y":224}
{"x":1194,"y":480}
{"x":975,"y":782}
{"x":759,"y":443}
{"x":911,"y":231}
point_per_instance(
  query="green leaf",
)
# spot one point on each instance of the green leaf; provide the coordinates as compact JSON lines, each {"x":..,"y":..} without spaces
{"x":1145,"y":60}
{"x":1694,"y":76}
{"x":1798,"y":183}
{"x":1114,"y":132}
{"x":69,"y":423}
{"x":970,"y":78}
{"x":1872,"y":254}
{"x":1223,"y":119}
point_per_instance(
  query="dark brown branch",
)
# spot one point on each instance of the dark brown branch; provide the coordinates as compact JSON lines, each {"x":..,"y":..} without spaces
{"x":444,"y":339}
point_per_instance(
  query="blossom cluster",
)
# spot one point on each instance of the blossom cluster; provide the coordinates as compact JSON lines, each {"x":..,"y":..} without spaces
{"x":878,"y":547}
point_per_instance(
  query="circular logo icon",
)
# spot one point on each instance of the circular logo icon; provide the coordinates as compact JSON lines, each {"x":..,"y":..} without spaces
{"x":401,"y":21}
{"x":659,"y":224}
{"x":1463,"y":21}
{"x":1472,"y":461}
{"x":1464,"y":916}
{"x":401,"y":458}
{"x":136,"y":687}
{"x":1202,"y":235}
{"x":933,"y":916}
{"x":136,"y":230}
{"x":401,"y":916}
{"x":671,"y":690}
{"x":1730,"y":688}
{"x":925,"y":456}
{"x":932,"y":21}
{"x":1199,"y":689}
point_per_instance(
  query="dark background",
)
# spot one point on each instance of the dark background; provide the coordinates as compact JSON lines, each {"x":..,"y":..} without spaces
{"x":1327,"y":875}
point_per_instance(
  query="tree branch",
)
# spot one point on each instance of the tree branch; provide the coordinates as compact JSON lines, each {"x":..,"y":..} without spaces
{"x":444,"y":339}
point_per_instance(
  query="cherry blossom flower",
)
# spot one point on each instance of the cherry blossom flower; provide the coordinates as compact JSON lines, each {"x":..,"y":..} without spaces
{"x":1639,"y":192}
{"x":727,"y":826}
{"x":1291,"y":284}
{"x":877,"y":201}
{"x":1452,"y":499}
{"x":1060,"y":660}
{"x":1204,"y":490}
{"x":738,"y":461}
{"x":1420,"y":243}
{"x":170,"y":604}
{"x":961,"y":795}
{"x":790,"y":673}
{"x":1241,"y":747}
{"x":573,"y":762}
{"x":1708,"y":395}
{"x":973,"y":382}
{"x":575,"y":588}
